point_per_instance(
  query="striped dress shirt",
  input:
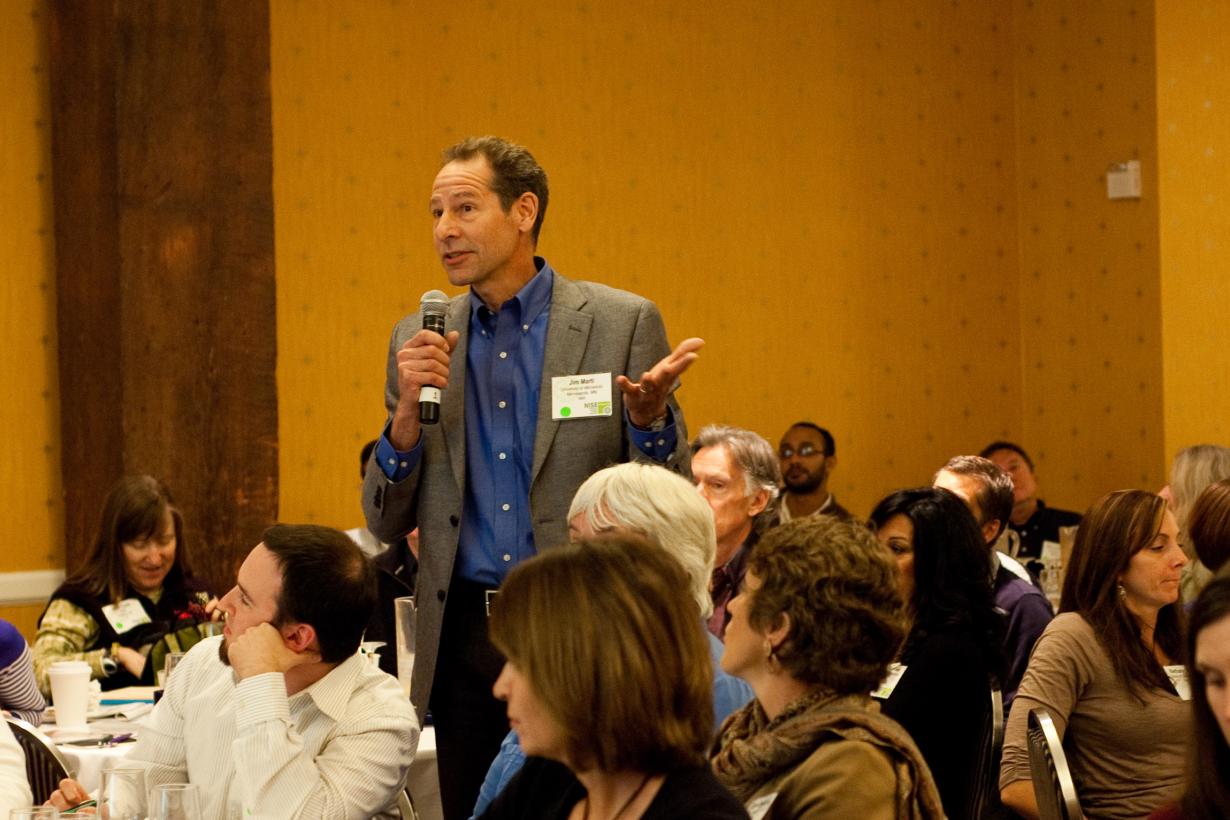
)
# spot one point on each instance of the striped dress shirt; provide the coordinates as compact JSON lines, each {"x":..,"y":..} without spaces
{"x":339,"y":749}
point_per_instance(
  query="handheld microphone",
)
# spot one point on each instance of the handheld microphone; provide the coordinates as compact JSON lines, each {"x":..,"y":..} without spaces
{"x":434,"y":307}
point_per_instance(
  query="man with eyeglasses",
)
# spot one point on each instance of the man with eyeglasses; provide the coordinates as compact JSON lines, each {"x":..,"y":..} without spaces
{"x":808,"y":454}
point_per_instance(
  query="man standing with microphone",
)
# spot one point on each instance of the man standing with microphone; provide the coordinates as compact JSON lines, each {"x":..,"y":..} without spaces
{"x":542,"y":381}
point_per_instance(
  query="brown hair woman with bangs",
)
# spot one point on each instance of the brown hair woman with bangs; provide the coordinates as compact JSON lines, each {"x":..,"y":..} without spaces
{"x":134,"y":588}
{"x":609,"y":685}
{"x":1106,"y":667}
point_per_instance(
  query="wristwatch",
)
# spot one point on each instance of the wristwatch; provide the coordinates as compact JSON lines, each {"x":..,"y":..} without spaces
{"x":109,"y":665}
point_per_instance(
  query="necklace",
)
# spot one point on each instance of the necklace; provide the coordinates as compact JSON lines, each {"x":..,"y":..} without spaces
{"x":627,"y":802}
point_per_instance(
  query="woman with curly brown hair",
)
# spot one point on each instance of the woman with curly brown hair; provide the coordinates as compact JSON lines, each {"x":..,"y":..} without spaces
{"x":813,"y":632}
{"x":134,"y":589}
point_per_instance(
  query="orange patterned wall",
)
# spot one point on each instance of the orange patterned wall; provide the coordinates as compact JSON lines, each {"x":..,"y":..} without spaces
{"x":1193,"y":88}
{"x":1090,"y":315}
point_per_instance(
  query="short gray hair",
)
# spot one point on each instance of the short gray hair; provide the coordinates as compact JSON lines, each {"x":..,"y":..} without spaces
{"x":657,"y":504}
{"x":1194,"y":469}
{"x":754,"y":457}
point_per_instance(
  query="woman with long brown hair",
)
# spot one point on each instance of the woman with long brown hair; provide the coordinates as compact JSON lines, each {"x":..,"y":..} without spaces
{"x":1108,"y":668}
{"x":134,"y":589}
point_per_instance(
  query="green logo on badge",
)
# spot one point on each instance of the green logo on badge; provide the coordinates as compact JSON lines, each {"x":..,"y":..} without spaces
{"x":565,"y":411}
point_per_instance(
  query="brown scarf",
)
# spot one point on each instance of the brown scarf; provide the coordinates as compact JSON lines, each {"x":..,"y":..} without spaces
{"x":752,"y":750}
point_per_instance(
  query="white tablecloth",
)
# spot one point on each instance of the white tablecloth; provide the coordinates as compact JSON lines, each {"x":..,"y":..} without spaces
{"x":88,"y":762}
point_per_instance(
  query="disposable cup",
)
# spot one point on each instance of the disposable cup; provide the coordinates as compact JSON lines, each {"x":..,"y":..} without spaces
{"x":70,"y":692}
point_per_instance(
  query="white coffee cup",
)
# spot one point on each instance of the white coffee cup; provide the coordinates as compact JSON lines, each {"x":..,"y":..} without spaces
{"x":70,"y":692}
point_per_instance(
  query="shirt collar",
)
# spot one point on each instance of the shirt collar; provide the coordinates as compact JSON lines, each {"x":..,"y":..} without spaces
{"x":332,"y":693}
{"x":530,"y":301}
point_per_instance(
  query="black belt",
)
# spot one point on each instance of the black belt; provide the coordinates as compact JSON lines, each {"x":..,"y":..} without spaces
{"x":473,"y":593}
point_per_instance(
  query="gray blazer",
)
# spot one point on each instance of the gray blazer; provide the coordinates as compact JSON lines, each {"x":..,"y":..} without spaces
{"x":591,"y":328}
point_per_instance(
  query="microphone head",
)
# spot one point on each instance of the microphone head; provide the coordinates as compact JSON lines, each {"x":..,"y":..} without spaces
{"x":434,"y":303}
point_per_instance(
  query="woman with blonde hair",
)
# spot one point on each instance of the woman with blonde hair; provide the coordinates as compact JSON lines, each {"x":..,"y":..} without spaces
{"x":1105,"y":667}
{"x":813,"y":631}
{"x":653,"y":503}
{"x":608,"y":685}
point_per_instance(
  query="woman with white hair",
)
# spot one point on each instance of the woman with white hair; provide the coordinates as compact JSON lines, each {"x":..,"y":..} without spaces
{"x":1194,"y":469}
{"x":664,"y":508}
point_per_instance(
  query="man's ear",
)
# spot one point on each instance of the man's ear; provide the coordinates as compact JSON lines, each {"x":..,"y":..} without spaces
{"x":990,"y":531}
{"x":759,"y":501}
{"x":299,"y":637}
{"x":525,"y":210}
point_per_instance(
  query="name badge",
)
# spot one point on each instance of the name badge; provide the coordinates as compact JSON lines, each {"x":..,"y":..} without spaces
{"x":580,"y":397}
{"x":1178,"y":678}
{"x":125,"y":615}
{"x":886,"y":687}
{"x":759,"y":807}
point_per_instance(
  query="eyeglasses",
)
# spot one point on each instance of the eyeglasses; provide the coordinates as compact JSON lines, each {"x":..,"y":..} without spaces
{"x":804,"y":451}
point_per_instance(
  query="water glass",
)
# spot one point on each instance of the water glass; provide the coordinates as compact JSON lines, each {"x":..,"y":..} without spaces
{"x":34,"y":813}
{"x":122,"y":796}
{"x":407,"y":617}
{"x":175,"y":801}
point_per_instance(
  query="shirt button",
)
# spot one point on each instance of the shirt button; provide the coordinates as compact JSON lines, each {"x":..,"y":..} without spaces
{"x":525,"y":327}
{"x":403,"y":464}
{"x":392,"y":461}
{"x":661,"y":442}
{"x":503,"y":355}
{"x":502,"y":405}
{"x":505,"y":507}
{"x":503,"y":456}
{"x":507,"y":557}
{"x":648,"y":445}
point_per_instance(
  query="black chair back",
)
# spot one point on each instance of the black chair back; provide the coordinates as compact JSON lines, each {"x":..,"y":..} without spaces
{"x":984,"y":797}
{"x":1048,"y":766}
{"x":46,"y":766}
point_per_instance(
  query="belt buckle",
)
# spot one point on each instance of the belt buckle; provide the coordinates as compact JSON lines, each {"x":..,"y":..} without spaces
{"x":488,"y":595}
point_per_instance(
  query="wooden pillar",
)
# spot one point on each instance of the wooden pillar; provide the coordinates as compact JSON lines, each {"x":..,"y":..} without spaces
{"x":162,"y":158}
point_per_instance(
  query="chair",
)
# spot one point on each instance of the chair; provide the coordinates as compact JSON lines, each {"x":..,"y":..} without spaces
{"x":1048,"y":766}
{"x":984,"y":798}
{"x":406,"y":806}
{"x":45,"y":764}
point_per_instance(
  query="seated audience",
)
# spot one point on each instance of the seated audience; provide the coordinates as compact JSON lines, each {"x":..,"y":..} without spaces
{"x":953,"y":649}
{"x":14,"y":788}
{"x":1100,"y":668}
{"x":813,"y":632}
{"x":1208,"y":526}
{"x":608,"y":684}
{"x":987,"y":491}
{"x":656,"y":504}
{"x":134,"y":597}
{"x":1194,"y":469}
{"x":736,"y":472}
{"x":1032,"y":523}
{"x":808,"y":455}
{"x":1208,"y":668}
{"x":19,"y":693}
{"x":280,"y":716}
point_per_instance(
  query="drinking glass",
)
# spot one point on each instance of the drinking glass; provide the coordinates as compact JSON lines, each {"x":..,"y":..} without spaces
{"x":175,"y":801}
{"x":407,"y":617}
{"x":34,"y":813}
{"x":122,"y":796}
